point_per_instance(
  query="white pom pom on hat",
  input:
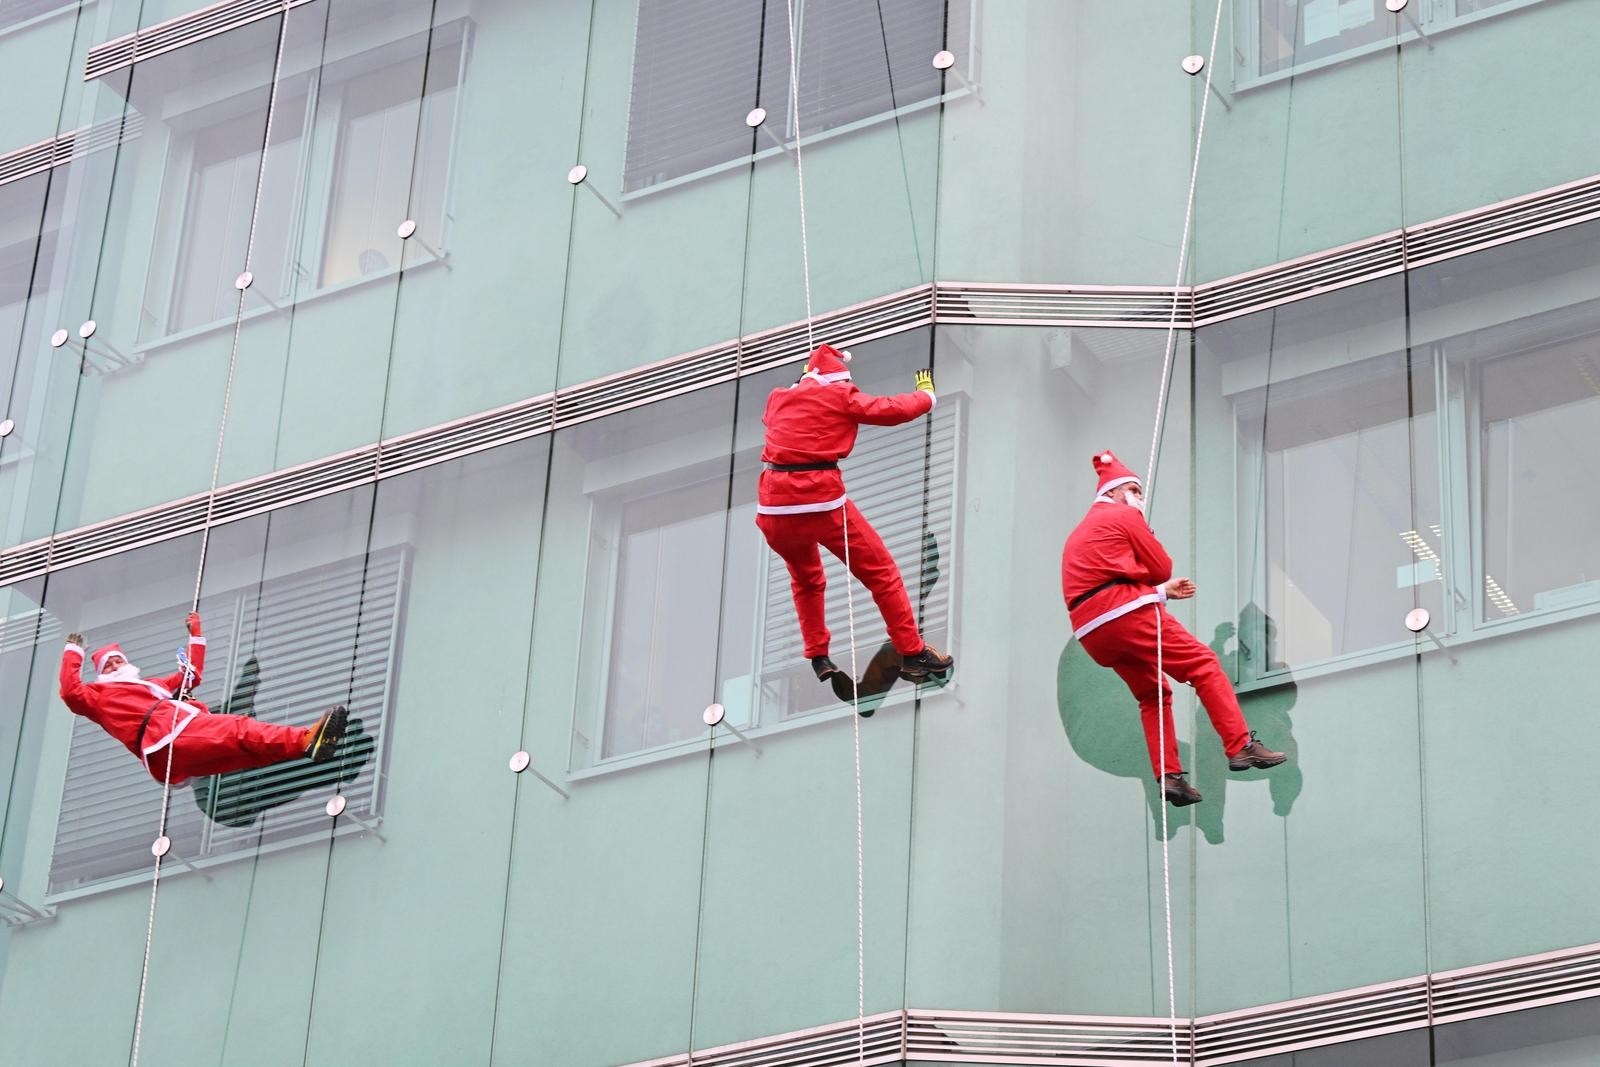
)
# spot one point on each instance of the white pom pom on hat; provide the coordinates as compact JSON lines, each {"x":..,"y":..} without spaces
{"x":845,"y":356}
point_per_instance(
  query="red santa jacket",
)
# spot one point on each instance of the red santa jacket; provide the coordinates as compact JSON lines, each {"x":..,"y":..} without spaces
{"x":1111,"y":565}
{"x":119,"y":708}
{"x":815,"y":421}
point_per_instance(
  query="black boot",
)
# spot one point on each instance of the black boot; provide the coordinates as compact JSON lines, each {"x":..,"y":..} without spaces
{"x":929,"y":661}
{"x":1179,"y":792}
{"x":844,"y":688}
{"x":326,"y":734}
{"x":1255,"y":754}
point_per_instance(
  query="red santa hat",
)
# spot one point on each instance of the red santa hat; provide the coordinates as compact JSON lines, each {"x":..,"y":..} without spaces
{"x":827,"y":364}
{"x":103,"y":654}
{"x":1112,"y":472}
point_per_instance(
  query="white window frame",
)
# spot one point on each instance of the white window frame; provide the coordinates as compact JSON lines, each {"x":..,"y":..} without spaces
{"x":1420,"y":20}
{"x":313,"y":197}
{"x":967,"y":84}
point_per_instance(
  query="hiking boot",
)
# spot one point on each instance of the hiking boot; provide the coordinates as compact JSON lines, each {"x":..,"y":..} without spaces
{"x":928,"y":661}
{"x":326,"y":734}
{"x":1256,"y":755}
{"x":1180,"y":794}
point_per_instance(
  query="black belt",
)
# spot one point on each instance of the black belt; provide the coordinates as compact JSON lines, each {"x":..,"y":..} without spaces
{"x":1102,"y":587}
{"x":144,"y":724}
{"x":830,"y":465}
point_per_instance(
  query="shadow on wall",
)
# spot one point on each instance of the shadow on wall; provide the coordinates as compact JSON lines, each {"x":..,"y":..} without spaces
{"x":1266,"y":711}
{"x":239,"y":799}
{"x":1102,"y":726}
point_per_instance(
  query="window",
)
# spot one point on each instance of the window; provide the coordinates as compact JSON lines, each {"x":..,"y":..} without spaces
{"x":1294,"y":33}
{"x":1538,"y":433}
{"x":686,"y":601}
{"x":355,"y":150}
{"x":701,"y":65}
{"x":30,"y":232}
{"x":1329,"y":523}
{"x":262,"y":659}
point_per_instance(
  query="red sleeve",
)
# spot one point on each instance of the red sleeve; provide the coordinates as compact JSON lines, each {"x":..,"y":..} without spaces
{"x":1154,"y":565}
{"x":197,"y":659}
{"x":889,"y":410}
{"x":77,"y":696}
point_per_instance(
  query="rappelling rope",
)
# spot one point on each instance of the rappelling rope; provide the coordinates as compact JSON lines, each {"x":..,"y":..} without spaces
{"x":1149,"y":493}
{"x":850,"y":600}
{"x":205,"y":530}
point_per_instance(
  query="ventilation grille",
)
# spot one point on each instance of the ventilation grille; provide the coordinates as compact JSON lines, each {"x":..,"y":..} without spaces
{"x":175,"y":33}
{"x":1077,"y":305}
{"x":74,"y":144}
{"x":945,"y":1037}
{"x":1525,"y":216}
{"x":1299,"y":279}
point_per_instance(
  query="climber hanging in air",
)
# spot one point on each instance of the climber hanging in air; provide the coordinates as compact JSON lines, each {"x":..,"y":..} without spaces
{"x":801,"y":504}
{"x":1111,"y":568}
{"x":157,"y":720}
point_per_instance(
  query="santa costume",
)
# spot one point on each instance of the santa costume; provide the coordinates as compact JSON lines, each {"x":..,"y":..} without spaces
{"x":1113,"y":576}
{"x":157,"y":720}
{"x":802,"y":503}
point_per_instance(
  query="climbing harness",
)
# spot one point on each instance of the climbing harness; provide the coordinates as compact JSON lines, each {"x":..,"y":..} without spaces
{"x":205,"y":541}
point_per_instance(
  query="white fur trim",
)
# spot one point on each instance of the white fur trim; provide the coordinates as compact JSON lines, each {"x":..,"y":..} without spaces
{"x":73,"y":648}
{"x":828,"y":379}
{"x":1116,"y":613}
{"x":935,"y":396}
{"x":800,"y":509}
{"x":1112,"y":485}
{"x":195,"y":639}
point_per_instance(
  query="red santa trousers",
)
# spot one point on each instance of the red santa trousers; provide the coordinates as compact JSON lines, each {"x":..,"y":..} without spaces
{"x":218,"y":744}
{"x":796,"y":537}
{"x":1128,"y":646}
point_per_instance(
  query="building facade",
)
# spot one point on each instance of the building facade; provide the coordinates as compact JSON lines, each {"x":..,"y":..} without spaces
{"x":424,"y":345}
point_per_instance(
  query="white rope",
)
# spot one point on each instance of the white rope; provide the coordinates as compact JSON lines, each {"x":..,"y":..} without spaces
{"x":1149,"y":492}
{"x":850,"y":599}
{"x":800,"y":174}
{"x":1183,"y":260}
{"x":205,"y":531}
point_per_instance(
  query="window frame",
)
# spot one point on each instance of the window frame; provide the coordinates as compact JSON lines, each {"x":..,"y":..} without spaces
{"x":315,"y":171}
{"x":1437,"y":16}
{"x":1457,"y":361}
{"x":967,"y":84}
{"x":600,"y":594}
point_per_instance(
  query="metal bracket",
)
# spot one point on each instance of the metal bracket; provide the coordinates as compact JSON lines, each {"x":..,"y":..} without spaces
{"x":716,"y":715}
{"x":14,"y":911}
{"x":521,"y":761}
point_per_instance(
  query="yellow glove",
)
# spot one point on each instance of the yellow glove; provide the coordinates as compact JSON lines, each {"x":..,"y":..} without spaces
{"x":925,"y":381}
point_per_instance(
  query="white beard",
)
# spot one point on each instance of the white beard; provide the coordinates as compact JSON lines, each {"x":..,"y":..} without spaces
{"x":125,"y":673}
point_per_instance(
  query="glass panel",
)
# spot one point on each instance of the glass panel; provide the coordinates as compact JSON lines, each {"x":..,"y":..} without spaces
{"x":1301,"y":148}
{"x":346,"y":146}
{"x":1020,"y":197}
{"x":870,"y":184}
{"x":605,"y":888}
{"x":84,"y":807}
{"x":799,"y":857}
{"x":448,"y":800}
{"x":656,"y":274}
{"x":196,"y":108}
{"x":1016,"y":904}
{"x":485,"y":273}
{"x":1515,"y":330}
{"x":1317,"y":476}
{"x":1471,"y":142}
{"x":45,"y":54}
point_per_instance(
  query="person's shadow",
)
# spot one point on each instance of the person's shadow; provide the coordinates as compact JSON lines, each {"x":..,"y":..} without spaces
{"x":1103,"y":727}
{"x":883,"y":670}
{"x":1267,"y":711}
{"x":240,"y":798}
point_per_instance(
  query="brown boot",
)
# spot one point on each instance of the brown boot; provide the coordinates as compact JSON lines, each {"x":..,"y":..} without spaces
{"x":1179,"y":792}
{"x":929,"y":661}
{"x":1256,"y":755}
